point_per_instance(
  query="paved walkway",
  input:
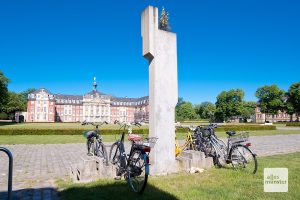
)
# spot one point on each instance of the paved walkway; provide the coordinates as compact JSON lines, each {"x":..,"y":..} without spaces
{"x":294,"y":128}
{"x":38,"y":166}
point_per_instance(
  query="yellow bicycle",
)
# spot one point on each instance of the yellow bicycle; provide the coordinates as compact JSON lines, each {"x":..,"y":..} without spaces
{"x":189,"y":142}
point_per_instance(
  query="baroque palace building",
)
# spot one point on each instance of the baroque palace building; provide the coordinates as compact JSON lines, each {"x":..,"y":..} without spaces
{"x":95,"y":106}
{"x":279,"y":117}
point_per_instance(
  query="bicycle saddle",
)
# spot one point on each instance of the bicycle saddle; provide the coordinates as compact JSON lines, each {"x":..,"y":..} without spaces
{"x":134,"y":137}
{"x":230,"y":133}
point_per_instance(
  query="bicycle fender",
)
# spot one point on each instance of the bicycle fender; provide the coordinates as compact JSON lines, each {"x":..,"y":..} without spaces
{"x":251,"y":151}
{"x":147,"y":168}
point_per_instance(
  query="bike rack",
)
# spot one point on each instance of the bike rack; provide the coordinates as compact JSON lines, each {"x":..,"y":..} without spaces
{"x":10,"y":171}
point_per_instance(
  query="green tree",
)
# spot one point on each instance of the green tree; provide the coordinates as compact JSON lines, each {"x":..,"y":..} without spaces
{"x":270,"y":99}
{"x":15,"y":103}
{"x":289,"y":108}
{"x":185,"y":111}
{"x":180,"y":102}
{"x":229,"y":104}
{"x":24,"y":96}
{"x":293,"y":99}
{"x":206,"y":110}
{"x":248,"y":109}
{"x":3,"y":90}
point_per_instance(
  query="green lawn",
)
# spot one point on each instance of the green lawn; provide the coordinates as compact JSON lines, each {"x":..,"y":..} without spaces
{"x":49,"y":139}
{"x":55,"y":126}
{"x":63,"y":139}
{"x":211,"y":184}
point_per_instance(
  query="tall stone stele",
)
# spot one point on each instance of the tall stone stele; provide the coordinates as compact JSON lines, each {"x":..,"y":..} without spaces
{"x":160,"y":49}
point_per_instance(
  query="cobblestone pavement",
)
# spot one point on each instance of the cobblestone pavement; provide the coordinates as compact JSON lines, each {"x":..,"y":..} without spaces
{"x":36,"y":167}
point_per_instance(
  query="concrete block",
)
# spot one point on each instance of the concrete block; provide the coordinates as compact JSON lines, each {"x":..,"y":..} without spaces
{"x":190,"y":159}
{"x":91,"y":169}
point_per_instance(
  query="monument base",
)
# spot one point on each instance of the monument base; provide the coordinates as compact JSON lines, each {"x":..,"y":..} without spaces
{"x":92,"y":168}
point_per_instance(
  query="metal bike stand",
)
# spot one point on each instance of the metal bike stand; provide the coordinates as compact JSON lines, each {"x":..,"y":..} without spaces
{"x":10,"y":171}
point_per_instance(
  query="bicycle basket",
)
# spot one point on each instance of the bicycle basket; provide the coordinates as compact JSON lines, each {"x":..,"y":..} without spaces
{"x":239,"y":137}
{"x":149,"y":142}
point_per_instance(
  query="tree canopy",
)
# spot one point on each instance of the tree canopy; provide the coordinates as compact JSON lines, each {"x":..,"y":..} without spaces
{"x":271,"y":99}
{"x":15,"y":103}
{"x":229,"y":104}
{"x":3,"y":90}
{"x":206,"y":110}
{"x":248,"y":109}
{"x":184,"y":110}
{"x":293,"y":98}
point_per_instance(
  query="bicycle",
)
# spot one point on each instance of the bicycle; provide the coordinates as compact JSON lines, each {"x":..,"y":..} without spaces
{"x":189,"y":142}
{"x":135,"y":165}
{"x":236,"y":152}
{"x":94,"y":141}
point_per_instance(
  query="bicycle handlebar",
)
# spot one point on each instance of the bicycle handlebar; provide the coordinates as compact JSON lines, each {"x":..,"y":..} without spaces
{"x":92,"y":123}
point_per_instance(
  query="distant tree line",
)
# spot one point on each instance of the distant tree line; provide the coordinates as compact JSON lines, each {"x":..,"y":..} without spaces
{"x":10,"y":102}
{"x":231,"y":105}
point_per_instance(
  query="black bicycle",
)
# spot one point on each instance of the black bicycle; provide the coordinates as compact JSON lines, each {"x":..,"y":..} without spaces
{"x":94,"y":142}
{"x":135,"y":165}
{"x":236,"y":152}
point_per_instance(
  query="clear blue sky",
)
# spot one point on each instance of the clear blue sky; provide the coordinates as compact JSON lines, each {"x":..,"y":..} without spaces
{"x":61,"y":45}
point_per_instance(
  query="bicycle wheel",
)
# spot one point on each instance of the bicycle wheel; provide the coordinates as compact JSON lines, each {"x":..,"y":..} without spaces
{"x":137,"y":171}
{"x":101,"y":152}
{"x":219,"y":156}
{"x":243,"y":159}
{"x":115,"y":153}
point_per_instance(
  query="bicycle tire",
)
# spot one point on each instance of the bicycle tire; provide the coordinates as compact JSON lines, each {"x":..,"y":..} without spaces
{"x":137,"y":171}
{"x":115,"y":153}
{"x":242,"y":158}
{"x":101,"y":152}
{"x":219,"y":154}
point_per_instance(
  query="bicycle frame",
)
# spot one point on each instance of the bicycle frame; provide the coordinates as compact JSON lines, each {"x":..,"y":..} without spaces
{"x":124,"y":160}
{"x":188,"y":141}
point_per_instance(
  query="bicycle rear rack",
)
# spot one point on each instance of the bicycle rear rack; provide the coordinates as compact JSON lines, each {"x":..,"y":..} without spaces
{"x":10,"y":171}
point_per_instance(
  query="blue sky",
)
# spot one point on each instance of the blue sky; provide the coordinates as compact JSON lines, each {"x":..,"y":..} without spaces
{"x":61,"y":45}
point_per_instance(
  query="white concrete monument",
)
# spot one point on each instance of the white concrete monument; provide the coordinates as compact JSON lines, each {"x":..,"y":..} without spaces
{"x":160,"y":49}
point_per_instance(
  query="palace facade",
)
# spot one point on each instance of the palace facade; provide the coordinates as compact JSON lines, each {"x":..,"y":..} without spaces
{"x":279,"y":117}
{"x":95,"y":106}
